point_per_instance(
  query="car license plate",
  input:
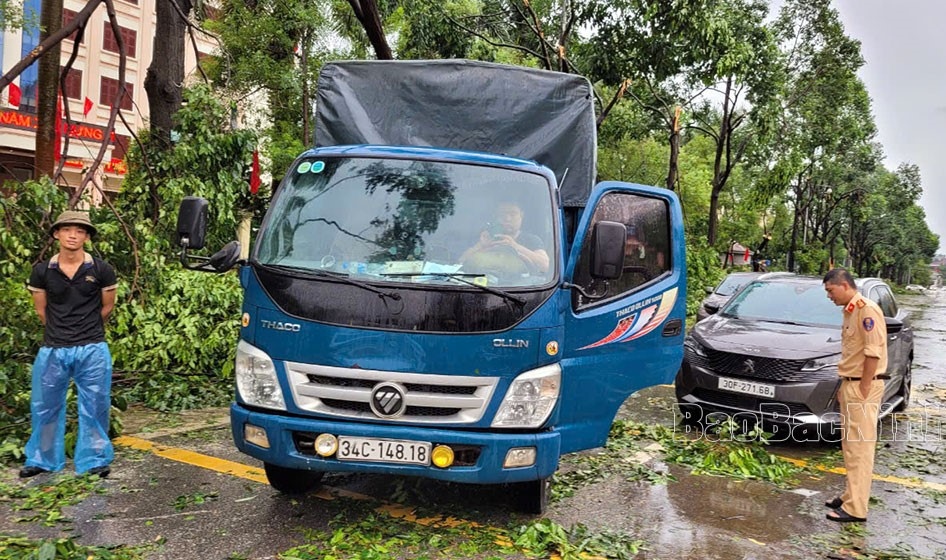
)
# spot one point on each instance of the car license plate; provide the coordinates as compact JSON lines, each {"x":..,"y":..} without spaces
{"x":747,"y":387}
{"x":383,"y":450}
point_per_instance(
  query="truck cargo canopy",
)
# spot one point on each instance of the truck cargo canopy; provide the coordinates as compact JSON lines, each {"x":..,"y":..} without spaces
{"x":544,"y":116}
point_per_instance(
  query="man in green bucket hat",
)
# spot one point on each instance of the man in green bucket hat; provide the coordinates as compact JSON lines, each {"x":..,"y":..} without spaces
{"x":73,"y":293}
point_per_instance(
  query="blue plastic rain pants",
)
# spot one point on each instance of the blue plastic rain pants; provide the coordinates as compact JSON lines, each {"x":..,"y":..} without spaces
{"x":91,"y":368}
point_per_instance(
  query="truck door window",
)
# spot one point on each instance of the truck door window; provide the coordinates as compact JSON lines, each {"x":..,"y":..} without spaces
{"x":646,"y":250}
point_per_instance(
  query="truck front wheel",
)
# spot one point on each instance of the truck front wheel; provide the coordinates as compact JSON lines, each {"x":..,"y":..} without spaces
{"x":292,"y":481}
{"x":533,"y":496}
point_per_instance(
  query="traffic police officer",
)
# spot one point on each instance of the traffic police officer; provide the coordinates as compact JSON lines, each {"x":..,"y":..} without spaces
{"x":862,"y":369}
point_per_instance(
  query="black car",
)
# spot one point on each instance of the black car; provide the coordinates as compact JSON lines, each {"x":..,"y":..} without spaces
{"x":771,"y":354}
{"x":717,"y":296}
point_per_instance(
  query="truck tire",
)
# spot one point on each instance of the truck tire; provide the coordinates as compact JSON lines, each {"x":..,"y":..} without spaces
{"x":533,"y":496}
{"x":291,"y":481}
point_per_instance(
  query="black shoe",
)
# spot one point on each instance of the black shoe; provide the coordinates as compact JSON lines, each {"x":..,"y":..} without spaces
{"x":27,"y":472}
{"x":841,"y":516}
{"x":834,"y":504}
{"x":101,"y":472}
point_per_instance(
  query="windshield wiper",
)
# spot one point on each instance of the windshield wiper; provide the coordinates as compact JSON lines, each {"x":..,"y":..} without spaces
{"x":308,"y":273}
{"x":462,"y":278}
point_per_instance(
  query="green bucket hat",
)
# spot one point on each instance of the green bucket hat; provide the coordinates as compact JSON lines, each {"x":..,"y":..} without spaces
{"x":73,"y":218}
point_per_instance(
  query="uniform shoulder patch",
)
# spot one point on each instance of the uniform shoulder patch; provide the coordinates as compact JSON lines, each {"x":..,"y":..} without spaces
{"x":849,"y":308}
{"x":868,"y":324}
{"x":861,"y":303}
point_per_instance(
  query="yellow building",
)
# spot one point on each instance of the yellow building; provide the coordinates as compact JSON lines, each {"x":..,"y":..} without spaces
{"x":91,"y":88}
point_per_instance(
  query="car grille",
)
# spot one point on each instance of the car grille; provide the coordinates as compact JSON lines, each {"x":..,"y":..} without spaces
{"x":768,"y":369}
{"x":429,"y":398}
{"x":748,"y":402}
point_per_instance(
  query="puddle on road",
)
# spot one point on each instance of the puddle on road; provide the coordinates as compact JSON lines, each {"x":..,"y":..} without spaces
{"x":695,"y":517}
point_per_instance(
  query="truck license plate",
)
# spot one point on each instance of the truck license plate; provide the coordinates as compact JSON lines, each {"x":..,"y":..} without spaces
{"x":383,"y":450}
{"x":747,"y":387}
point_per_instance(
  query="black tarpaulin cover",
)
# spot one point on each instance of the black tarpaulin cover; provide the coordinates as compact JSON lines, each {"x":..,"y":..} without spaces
{"x":547,"y":117}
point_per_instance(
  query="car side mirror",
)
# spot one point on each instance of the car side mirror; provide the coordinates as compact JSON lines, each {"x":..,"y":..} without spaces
{"x":607,"y":250}
{"x":709,"y":289}
{"x":893,"y":325}
{"x":711,"y":309}
{"x":192,"y":222}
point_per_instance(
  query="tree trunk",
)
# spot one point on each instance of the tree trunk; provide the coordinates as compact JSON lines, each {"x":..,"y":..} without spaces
{"x":713,"y":221}
{"x":674,"y":150}
{"x":166,"y":73}
{"x":48,"y":88}
{"x":719,"y":179}
{"x":674,"y":157}
{"x":367,"y":13}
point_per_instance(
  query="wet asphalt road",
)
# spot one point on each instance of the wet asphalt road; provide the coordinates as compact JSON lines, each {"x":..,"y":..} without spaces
{"x":174,"y":498}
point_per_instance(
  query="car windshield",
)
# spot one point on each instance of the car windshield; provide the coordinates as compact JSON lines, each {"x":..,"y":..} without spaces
{"x":400,"y":220}
{"x":731,"y":284}
{"x":784,"y":302}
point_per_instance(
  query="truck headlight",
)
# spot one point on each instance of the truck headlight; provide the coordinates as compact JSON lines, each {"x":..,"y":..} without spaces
{"x":256,"y":378}
{"x":823,"y":362}
{"x":530,"y":399}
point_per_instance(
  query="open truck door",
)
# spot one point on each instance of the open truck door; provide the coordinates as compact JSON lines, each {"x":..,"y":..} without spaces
{"x":623,"y":333}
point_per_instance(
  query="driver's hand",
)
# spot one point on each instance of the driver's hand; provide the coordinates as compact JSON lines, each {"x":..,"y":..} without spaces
{"x":484,"y":242}
{"x":504,"y":240}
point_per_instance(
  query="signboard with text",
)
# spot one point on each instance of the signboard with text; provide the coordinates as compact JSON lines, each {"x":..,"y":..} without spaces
{"x":78,"y":130}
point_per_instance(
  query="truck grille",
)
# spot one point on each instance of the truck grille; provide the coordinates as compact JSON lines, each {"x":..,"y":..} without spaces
{"x":429,"y":398}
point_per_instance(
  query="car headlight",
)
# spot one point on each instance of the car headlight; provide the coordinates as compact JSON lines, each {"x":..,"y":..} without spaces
{"x":256,"y":378}
{"x":692,"y":345}
{"x":821,"y":363}
{"x":530,"y":398}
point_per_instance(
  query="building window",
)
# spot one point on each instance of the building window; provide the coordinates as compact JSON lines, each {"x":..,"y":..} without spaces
{"x":68,"y":16}
{"x":110,"y":90}
{"x":129,"y":37}
{"x":73,"y":84}
{"x":30,"y":76}
{"x":121,"y":146}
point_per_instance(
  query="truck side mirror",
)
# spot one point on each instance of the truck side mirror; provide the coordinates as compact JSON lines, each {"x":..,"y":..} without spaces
{"x":607,"y":250}
{"x":225,"y":259}
{"x":192,"y":222}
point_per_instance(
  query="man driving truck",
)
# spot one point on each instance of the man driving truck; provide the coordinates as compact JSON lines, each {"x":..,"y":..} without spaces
{"x":503,"y":238}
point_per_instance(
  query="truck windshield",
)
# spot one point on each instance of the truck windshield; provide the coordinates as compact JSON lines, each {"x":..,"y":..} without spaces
{"x":400,"y":220}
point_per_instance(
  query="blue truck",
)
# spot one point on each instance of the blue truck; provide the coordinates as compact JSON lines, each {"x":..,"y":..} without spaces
{"x":440,"y":289}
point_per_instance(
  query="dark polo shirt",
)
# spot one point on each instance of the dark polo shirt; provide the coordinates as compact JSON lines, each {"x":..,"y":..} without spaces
{"x":73,"y":305}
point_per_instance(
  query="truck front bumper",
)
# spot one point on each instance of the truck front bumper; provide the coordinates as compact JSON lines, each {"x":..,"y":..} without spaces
{"x":283,"y":433}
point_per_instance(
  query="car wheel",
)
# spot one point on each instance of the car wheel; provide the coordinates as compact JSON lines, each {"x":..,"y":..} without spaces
{"x":905,"y":385}
{"x":533,"y":496}
{"x":292,"y":481}
{"x":689,"y":414}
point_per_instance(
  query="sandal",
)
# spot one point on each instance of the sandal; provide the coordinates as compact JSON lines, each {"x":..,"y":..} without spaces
{"x":841,"y":516}
{"x":835,"y":503}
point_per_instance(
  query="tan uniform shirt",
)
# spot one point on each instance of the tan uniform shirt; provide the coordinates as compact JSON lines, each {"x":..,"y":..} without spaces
{"x":863,"y":334}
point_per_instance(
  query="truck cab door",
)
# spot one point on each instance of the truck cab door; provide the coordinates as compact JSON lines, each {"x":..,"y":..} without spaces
{"x":625,"y":334}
